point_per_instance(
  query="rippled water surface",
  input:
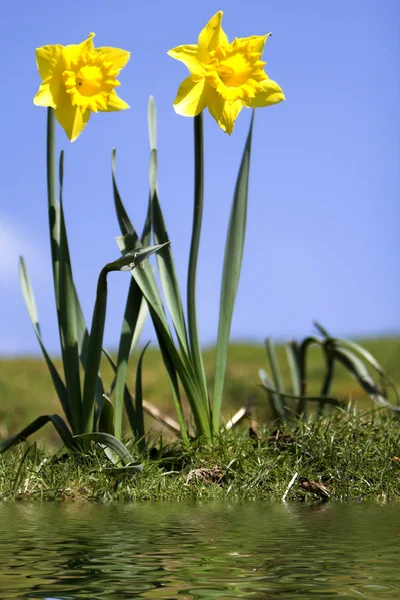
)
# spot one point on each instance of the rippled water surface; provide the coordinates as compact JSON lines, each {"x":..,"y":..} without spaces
{"x":199,"y":551}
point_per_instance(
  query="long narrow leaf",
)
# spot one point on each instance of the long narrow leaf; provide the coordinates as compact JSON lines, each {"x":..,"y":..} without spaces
{"x":165,"y":261}
{"x":140,"y":433}
{"x":56,"y":420}
{"x":145,"y":279}
{"x":131,"y":317}
{"x":166,"y":267}
{"x":302,"y":362}
{"x":230,"y":276}
{"x":94,"y":352}
{"x":276,"y":373}
{"x":129,"y":408}
{"x":109,"y":441}
{"x":365,"y":354}
{"x":82,"y":334}
{"x":106,"y":417}
{"x":276,"y":401}
{"x":30,"y":304}
{"x":359,"y":371}
{"x":67,"y":316}
{"x":292,"y":358}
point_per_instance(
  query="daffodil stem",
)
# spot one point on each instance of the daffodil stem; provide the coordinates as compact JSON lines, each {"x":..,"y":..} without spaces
{"x":193,"y":256}
{"x":52,"y":193}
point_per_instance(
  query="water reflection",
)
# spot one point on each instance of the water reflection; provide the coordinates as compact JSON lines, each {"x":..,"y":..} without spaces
{"x":187,"y":552}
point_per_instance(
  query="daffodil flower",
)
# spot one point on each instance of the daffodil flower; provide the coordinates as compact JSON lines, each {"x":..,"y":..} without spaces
{"x":224,"y":76}
{"x":77,"y":80}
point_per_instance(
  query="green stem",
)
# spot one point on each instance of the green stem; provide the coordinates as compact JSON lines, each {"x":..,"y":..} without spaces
{"x":52,"y":196}
{"x":195,"y":347}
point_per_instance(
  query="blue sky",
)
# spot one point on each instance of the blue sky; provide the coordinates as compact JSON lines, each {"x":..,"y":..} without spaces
{"x":323,"y":224}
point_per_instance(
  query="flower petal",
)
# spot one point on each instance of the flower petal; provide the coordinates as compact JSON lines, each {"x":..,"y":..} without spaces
{"x":44,"y":97}
{"x":118,"y":57}
{"x":225,"y":113}
{"x":256,"y":42}
{"x":192,"y":56}
{"x":191,"y":98}
{"x":71,"y":119}
{"x":213,"y":35}
{"x":74,"y":51}
{"x":114,"y":102}
{"x":271,"y":94}
{"x":47,"y":59}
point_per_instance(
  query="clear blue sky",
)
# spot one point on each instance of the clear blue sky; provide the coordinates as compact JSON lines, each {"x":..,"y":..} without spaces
{"x":323,"y":225}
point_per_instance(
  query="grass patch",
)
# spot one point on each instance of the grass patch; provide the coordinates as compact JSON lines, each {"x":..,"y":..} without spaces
{"x":26,"y":390}
{"x":351,"y":454}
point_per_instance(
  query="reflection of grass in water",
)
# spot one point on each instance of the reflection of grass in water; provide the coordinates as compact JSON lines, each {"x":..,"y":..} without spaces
{"x":26,"y":390}
{"x":352,"y":455}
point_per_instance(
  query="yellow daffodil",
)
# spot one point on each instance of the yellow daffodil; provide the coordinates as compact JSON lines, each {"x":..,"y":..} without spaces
{"x":224,"y":76}
{"x":77,"y":80}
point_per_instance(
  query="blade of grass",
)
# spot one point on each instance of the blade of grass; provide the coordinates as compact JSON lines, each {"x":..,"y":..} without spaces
{"x":230,"y":277}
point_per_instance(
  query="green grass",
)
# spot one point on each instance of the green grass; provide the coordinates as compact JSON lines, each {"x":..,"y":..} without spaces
{"x":351,"y":454}
{"x":26,"y":390}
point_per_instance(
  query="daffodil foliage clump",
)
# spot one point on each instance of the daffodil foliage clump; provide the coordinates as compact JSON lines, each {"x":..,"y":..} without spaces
{"x":78,"y":80}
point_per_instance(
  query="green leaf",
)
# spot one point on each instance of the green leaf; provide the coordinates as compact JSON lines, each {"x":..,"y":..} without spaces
{"x":30,"y":304}
{"x":81,"y":328}
{"x":322,"y":330}
{"x":172,"y":360}
{"x":106,"y":418}
{"x":165,"y":262}
{"x":140,"y":433}
{"x":360,"y":372}
{"x":302,"y":362}
{"x":122,"y":216}
{"x":366,"y":355}
{"x":94,"y":352}
{"x":275,"y":400}
{"x":109,"y":441}
{"x":276,"y":373}
{"x":292,"y":358}
{"x":67,"y":320}
{"x":230,"y":276}
{"x":37,"y":424}
{"x":129,"y":408}
{"x":131,"y":316}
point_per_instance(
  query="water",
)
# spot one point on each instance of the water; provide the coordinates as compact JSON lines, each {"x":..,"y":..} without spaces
{"x":187,"y":552}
